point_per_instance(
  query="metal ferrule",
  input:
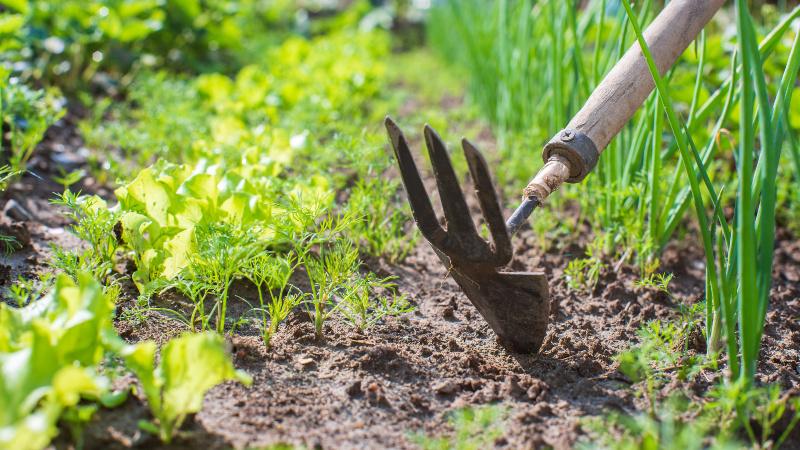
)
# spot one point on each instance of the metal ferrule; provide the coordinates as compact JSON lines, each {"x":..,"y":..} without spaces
{"x":577,"y":148}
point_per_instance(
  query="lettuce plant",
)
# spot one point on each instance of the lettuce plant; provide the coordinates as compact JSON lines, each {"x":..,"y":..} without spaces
{"x":50,"y":351}
{"x":188,"y":367}
{"x":51,"y":355}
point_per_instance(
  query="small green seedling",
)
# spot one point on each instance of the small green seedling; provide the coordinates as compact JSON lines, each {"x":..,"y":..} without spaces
{"x":188,"y":367}
{"x":657,"y":281}
{"x":330,"y":275}
{"x":363,"y":308}
{"x":272,"y":273}
{"x":25,"y":290}
{"x":94,"y":223}
{"x":473,"y":429}
{"x":583,"y":274}
{"x":222,"y":253}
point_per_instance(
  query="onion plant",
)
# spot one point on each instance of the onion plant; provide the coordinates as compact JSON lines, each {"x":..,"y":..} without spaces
{"x":739,"y":256}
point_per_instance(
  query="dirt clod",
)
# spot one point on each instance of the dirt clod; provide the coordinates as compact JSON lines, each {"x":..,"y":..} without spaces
{"x":447,"y":387}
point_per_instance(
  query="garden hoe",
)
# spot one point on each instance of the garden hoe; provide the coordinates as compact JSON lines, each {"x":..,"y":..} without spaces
{"x":517,"y":304}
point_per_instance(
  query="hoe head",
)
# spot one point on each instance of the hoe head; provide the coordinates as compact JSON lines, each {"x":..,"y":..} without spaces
{"x":515,"y":304}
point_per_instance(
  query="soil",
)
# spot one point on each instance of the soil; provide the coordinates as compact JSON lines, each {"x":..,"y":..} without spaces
{"x":406,"y":374}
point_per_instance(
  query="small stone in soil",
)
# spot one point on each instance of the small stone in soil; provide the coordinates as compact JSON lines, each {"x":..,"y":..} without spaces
{"x":306,"y":363}
{"x":354,"y":389}
{"x":447,"y":312}
{"x":418,"y":401}
{"x":375,"y":394}
{"x":447,"y":387}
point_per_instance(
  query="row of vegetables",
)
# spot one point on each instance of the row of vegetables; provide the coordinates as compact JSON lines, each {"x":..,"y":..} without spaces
{"x":264,"y":175}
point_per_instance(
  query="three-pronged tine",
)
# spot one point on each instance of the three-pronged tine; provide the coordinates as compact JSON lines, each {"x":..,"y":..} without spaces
{"x":460,"y":240}
{"x":489,"y":203}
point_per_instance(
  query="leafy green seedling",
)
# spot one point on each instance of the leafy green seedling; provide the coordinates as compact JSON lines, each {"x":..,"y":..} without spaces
{"x":9,"y":243}
{"x":657,"y":281}
{"x":67,"y":179}
{"x":330,"y":274}
{"x":663,"y":346}
{"x":189,"y":366}
{"x":94,"y":223}
{"x":583,"y":274}
{"x":272,"y":273}
{"x":473,"y":429}
{"x":222,"y":252}
{"x":25,"y":290}
{"x":279,"y":309}
{"x":362,"y":307}
{"x":27,"y":114}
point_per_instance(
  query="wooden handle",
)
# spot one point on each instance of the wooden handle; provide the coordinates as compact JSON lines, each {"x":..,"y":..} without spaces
{"x":620,"y":94}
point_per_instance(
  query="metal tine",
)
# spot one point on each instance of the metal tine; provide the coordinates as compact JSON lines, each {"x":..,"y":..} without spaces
{"x":418,"y":198}
{"x":490,"y":205}
{"x":456,"y":212}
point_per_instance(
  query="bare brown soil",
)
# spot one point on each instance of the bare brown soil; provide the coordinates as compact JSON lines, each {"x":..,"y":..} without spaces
{"x":374,"y":389}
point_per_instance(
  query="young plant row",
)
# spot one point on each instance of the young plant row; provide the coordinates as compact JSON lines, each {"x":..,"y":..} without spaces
{"x":233,"y":204}
{"x":77,"y":44}
{"x":531,"y":66}
{"x":224,"y":204}
{"x":739,"y":255}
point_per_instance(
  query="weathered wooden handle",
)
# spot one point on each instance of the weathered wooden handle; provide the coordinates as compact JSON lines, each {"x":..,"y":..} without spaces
{"x":572,"y":153}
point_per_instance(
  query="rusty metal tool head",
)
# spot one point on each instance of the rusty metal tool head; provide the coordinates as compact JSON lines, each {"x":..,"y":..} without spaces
{"x":516,"y":305}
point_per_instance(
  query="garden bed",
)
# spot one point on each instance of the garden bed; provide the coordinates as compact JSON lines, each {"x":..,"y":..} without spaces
{"x":352,"y":389}
{"x":208,"y":245}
